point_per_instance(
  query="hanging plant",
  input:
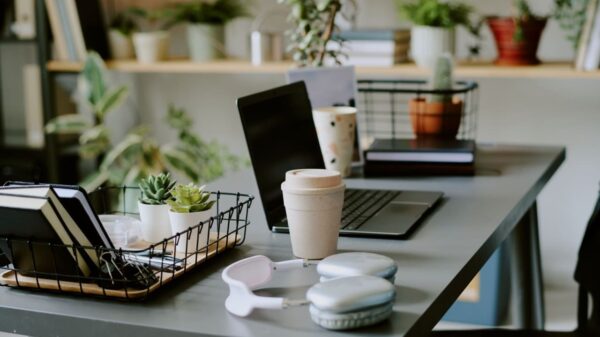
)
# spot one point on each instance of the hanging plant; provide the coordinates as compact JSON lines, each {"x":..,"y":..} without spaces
{"x":314,"y":26}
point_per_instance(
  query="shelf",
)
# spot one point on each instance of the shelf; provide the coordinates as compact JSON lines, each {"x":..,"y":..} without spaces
{"x":14,"y":40}
{"x":464,"y":70}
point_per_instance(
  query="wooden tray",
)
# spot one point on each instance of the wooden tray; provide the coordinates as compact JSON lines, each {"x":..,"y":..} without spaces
{"x":14,"y":279}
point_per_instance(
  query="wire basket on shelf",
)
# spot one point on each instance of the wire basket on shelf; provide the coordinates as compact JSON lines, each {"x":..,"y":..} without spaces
{"x":126,"y":273}
{"x":384,"y":108}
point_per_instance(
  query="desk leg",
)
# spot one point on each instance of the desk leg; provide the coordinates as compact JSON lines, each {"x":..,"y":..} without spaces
{"x":526,"y":273}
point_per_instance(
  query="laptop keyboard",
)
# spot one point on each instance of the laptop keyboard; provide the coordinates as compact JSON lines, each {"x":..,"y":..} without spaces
{"x":360,"y":205}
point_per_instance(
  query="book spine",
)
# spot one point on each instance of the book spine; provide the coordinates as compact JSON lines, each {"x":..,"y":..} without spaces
{"x":592,"y":58}
{"x":55,"y":25}
{"x":75,"y":24}
{"x":585,"y":34}
{"x":34,"y":117}
{"x":66,"y":29}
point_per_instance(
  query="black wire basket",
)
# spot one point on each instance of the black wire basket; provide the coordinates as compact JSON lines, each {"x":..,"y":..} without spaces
{"x":384,"y":108}
{"x":126,"y":274}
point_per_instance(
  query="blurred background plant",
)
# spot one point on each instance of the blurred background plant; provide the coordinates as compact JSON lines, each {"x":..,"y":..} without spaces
{"x":436,"y":13}
{"x":314,"y":26}
{"x":212,"y":12}
{"x":137,"y":155}
{"x":571,"y":15}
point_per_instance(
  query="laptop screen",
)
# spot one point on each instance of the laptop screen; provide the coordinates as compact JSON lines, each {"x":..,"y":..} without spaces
{"x":281,"y":136}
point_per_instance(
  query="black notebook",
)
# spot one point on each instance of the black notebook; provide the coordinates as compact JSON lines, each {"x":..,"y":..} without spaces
{"x":29,"y":227}
{"x":426,"y":150}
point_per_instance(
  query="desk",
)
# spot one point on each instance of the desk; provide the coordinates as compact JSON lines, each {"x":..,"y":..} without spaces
{"x":477,"y":215}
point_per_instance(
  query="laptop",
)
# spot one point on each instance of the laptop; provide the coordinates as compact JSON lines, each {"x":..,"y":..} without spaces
{"x":281,"y":136}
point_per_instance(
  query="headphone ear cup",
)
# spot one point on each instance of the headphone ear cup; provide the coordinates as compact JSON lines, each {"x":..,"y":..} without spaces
{"x":351,"y":320}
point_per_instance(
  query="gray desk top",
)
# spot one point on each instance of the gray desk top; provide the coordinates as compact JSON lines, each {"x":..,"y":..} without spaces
{"x":434,"y":265}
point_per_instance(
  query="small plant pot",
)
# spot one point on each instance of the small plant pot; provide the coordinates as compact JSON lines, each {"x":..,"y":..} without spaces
{"x":121,"y":45}
{"x":435,"y":119}
{"x":428,"y":43}
{"x":206,"y":42}
{"x":516,"y":53}
{"x":155,"y":222}
{"x":195,"y":239}
{"x":151,"y":47}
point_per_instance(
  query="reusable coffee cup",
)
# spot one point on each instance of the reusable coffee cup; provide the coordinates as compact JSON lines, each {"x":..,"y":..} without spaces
{"x":313,"y":200}
{"x":336,"y":129}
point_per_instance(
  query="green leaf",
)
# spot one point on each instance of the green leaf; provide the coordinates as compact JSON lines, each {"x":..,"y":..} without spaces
{"x":93,"y":74}
{"x":110,"y":101}
{"x":180,"y":161}
{"x":68,"y":124}
{"x":93,"y":181}
{"x":130,"y":141}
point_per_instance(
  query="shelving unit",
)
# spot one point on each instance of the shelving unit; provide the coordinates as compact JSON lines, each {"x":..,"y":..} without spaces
{"x":470,"y":70}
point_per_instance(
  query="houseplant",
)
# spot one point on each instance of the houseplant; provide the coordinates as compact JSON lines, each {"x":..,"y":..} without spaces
{"x":314,"y":26}
{"x":153,"y":207}
{"x":440,"y":116}
{"x":206,"y":25}
{"x":189,"y":206}
{"x":122,"y":27}
{"x":517,"y":37}
{"x":126,"y":161}
{"x":152,"y":43}
{"x":433,"y":32}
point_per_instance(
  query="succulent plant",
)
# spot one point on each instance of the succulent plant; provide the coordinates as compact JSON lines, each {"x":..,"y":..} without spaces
{"x":442,"y":78}
{"x":190,"y":199}
{"x":156,"y":189}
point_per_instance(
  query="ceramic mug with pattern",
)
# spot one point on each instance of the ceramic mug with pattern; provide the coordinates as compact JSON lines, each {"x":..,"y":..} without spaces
{"x":336,"y":129}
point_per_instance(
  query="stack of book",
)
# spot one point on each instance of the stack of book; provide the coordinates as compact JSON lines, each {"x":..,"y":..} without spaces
{"x":395,"y":157}
{"x":588,"y":48}
{"x":374,"y":48}
{"x":77,"y":26}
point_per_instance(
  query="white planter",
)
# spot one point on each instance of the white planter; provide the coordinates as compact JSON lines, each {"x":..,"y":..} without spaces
{"x":155,"y":222}
{"x":206,"y":42}
{"x":151,"y":47}
{"x":121,"y":46}
{"x":181,"y":222}
{"x":428,"y":43}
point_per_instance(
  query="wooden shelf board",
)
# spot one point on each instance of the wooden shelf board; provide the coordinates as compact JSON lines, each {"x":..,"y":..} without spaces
{"x":468,"y":70}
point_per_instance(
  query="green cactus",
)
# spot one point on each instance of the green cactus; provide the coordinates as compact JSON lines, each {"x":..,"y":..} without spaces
{"x":189,"y":199}
{"x":442,"y":78}
{"x":156,"y":189}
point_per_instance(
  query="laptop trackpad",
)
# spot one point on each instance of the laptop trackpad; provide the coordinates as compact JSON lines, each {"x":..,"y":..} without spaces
{"x":396,"y":217}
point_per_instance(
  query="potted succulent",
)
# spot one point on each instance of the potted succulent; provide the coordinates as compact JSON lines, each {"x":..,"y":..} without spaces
{"x":517,"y":37}
{"x":190,"y":205}
{"x":206,"y":25}
{"x":153,"y":207}
{"x":152,"y":44}
{"x":440,"y":116}
{"x":433,"y":33}
{"x":121,"y":28}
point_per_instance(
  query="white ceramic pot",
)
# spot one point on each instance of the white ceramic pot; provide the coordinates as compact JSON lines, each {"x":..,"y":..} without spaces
{"x":206,"y":42}
{"x":313,"y":202}
{"x":121,"y":46}
{"x":151,"y":47}
{"x":155,"y":222}
{"x":336,"y":129}
{"x":428,"y":43}
{"x":197,"y":238}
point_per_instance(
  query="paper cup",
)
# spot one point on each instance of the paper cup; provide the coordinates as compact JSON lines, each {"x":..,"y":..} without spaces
{"x":314,"y":214}
{"x":336,"y":129}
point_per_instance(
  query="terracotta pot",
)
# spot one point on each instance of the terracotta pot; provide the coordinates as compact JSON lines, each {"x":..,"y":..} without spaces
{"x":515,"y":53}
{"x":435,"y":119}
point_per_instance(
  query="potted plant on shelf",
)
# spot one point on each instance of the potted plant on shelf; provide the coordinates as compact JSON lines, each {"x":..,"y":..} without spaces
{"x":433,"y":33}
{"x":122,"y":27}
{"x":439,"y":117}
{"x":153,"y":207}
{"x":206,"y":25}
{"x":314,"y":26}
{"x":189,"y":207}
{"x":151,"y":44}
{"x":517,"y":37}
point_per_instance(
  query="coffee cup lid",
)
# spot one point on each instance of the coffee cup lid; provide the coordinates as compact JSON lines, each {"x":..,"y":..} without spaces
{"x":313,"y":178}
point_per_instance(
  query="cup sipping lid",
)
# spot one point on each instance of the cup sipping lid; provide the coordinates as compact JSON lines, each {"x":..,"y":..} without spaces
{"x":313,"y":178}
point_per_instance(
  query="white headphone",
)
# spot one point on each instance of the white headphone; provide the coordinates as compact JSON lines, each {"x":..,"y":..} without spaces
{"x":355,"y":288}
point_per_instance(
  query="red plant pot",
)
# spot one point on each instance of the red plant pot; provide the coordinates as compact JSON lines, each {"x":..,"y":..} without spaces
{"x":515,"y":53}
{"x":435,"y":119}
